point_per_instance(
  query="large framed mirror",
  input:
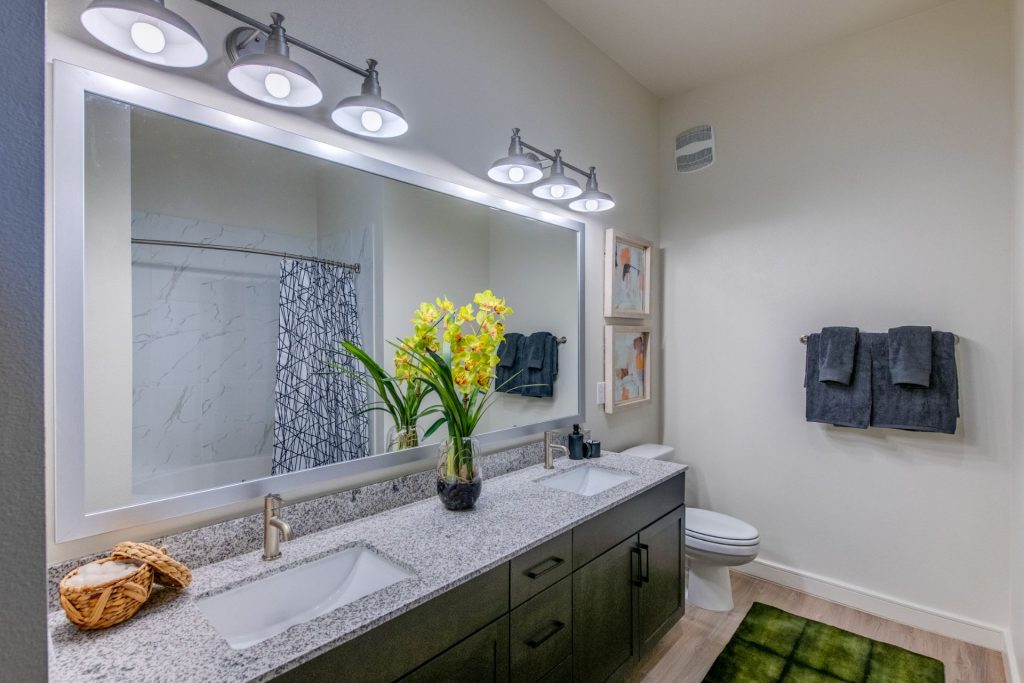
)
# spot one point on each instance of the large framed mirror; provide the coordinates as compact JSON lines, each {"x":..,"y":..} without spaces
{"x":206,"y":268}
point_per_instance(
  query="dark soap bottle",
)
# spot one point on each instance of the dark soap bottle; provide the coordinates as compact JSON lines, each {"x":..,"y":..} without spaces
{"x":575,"y":445}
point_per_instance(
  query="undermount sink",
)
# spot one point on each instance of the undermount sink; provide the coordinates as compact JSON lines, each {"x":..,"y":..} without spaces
{"x":263,"y":608}
{"x":587,"y":480}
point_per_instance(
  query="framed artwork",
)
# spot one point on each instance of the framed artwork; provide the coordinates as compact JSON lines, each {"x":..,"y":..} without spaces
{"x":627,"y":366}
{"x":627,"y":276}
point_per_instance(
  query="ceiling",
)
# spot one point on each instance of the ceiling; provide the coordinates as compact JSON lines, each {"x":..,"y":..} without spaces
{"x":671,"y":46}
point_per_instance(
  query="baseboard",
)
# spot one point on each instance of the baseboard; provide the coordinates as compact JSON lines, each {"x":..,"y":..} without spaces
{"x":1012,"y":670}
{"x":888,"y":607}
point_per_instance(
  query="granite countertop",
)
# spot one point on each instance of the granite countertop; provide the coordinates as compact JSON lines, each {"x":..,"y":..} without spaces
{"x":169,"y":640}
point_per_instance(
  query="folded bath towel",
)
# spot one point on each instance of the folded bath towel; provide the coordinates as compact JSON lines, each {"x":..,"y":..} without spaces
{"x":507,"y":350}
{"x":910,"y":355}
{"x":541,"y":365}
{"x":835,"y":354}
{"x":843,"y":405}
{"x":934,"y":408}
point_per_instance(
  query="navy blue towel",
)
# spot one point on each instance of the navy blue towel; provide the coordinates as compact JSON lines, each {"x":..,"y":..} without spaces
{"x":835,"y":354}
{"x":508,"y":376}
{"x":910,"y":355}
{"x":843,"y":405}
{"x":932,"y":408}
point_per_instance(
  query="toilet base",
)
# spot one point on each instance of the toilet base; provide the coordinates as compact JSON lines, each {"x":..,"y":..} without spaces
{"x":709,"y":587}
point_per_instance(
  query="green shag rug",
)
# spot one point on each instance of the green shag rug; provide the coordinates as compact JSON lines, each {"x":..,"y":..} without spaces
{"x":774,"y":646}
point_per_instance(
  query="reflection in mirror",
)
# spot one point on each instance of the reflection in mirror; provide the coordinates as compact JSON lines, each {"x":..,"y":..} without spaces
{"x":222,"y":272}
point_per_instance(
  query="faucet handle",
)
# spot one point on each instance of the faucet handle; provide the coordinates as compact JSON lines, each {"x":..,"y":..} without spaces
{"x":273,"y":502}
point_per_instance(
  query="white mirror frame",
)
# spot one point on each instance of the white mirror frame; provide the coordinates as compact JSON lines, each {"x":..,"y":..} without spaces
{"x":72,"y":519}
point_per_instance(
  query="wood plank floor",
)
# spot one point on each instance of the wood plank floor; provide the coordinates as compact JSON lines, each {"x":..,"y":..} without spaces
{"x":689,"y":649}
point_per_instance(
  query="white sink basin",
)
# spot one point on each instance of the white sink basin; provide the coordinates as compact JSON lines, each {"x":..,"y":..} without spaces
{"x":587,"y":480}
{"x":263,"y":608}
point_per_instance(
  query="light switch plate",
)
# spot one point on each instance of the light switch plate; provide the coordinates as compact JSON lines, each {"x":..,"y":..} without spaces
{"x":600,"y":393}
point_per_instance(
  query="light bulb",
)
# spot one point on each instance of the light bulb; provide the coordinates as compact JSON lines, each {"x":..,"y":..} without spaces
{"x":591,"y":205}
{"x":148,"y":38}
{"x":371,"y":120}
{"x":516,"y":174}
{"x":277,"y":85}
{"x":558,"y":191}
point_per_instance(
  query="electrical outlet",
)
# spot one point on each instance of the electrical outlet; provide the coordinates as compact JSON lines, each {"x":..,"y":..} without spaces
{"x":600,"y":393}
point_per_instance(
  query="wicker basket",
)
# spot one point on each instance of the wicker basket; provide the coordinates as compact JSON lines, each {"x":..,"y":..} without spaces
{"x":167,"y":571}
{"x":106,"y":604}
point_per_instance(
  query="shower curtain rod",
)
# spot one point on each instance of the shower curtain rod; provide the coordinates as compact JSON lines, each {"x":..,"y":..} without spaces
{"x":246,"y":250}
{"x":956,"y":339}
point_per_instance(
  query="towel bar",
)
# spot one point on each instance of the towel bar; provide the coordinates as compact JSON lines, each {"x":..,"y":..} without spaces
{"x":803,"y":339}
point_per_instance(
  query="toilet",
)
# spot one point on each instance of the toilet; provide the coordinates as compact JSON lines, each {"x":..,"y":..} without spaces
{"x":714,"y":542}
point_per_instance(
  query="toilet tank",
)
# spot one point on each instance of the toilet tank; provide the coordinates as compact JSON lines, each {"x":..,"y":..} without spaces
{"x":653,"y":451}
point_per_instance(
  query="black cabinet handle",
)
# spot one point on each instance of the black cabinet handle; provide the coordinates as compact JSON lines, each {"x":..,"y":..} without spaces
{"x":634,"y":553}
{"x":645,"y":573}
{"x":535,"y":573}
{"x":554,"y":628}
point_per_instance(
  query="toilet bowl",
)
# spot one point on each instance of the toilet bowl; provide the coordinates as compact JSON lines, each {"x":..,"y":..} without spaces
{"x":714,"y":542}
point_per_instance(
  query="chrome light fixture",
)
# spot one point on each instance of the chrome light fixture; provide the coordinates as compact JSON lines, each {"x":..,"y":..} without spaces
{"x":522,"y":166}
{"x":145,"y":30}
{"x":557,"y":186}
{"x":518,"y":168}
{"x":592,"y":200}
{"x":261,"y":64}
{"x":270,"y":76}
{"x":368,"y":113}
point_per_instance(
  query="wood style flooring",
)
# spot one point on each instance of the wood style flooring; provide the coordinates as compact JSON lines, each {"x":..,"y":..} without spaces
{"x":689,"y":649}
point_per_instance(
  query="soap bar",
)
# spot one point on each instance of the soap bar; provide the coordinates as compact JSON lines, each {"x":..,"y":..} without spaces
{"x":96,"y":573}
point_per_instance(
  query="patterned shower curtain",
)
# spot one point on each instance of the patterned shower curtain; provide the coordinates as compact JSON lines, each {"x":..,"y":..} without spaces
{"x":317,"y":419}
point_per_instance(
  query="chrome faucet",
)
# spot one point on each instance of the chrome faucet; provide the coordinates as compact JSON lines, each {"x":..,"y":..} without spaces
{"x":275,"y":529}
{"x":549,"y":448}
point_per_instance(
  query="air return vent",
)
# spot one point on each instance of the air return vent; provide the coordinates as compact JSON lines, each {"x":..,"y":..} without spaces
{"x":695,"y":149}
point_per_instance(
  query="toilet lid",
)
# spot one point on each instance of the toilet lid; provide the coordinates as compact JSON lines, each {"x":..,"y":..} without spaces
{"x":716,"y":527}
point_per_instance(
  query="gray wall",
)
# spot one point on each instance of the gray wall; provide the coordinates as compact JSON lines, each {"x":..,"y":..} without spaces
{"x":22,"y":496}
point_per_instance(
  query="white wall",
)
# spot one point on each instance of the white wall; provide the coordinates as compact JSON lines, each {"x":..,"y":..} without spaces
{"x":865,"y":183}
{"x":1015,"y":641}
{"x":464,"y":72}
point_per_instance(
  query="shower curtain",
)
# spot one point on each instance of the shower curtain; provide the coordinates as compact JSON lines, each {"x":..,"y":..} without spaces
{"x":317,"y":418}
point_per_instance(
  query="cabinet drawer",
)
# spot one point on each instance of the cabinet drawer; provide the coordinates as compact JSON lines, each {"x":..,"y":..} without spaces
{"x":544,"y":566}
{"x":610,"y":528}
{"x":542,"y":633}
{"x":560,"y":674}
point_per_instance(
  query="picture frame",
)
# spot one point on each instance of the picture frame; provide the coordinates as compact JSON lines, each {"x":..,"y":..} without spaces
{"x":628,"y":366}
{"x":627,"y":276}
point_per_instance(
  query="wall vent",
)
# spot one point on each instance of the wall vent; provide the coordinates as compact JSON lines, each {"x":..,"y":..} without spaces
{"x":695,"y":149}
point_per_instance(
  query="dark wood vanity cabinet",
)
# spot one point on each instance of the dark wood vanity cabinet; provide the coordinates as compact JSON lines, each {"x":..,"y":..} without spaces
{"x":581,"y":608}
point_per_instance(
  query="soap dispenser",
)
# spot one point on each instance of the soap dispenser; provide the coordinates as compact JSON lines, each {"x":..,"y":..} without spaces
{"x":575,"y":445}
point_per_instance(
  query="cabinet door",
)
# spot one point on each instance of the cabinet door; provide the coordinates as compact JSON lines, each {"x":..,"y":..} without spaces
{"x":481,"y":657}
{"x":605,"y":642}
{"x":662,"y":598}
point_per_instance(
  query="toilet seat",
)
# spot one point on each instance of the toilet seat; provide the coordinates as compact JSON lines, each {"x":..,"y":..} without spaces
{"x":698,"y":545}
{"x":714,"y":527}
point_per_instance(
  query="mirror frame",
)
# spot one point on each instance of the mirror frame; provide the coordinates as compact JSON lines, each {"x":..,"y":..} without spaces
{"x":67,"y":265}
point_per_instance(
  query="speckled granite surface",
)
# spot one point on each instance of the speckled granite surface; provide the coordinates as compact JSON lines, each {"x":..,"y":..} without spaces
{"x":217,"y":542}
{"x":169,"y":640}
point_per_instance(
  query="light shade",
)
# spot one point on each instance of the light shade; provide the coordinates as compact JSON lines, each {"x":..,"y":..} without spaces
{"x":272,"y":76}
{"x":557,"y":186}
{"x":145,"y":30}
{"x":592,"y":200}
{"x":368,"y":114}
{"x":517,"y":168}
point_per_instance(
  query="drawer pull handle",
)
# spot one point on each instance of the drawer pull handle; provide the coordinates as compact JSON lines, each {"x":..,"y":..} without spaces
{"x":634,"y":553}
{"x":645,"y":573}
{"x":535,"y":573}
{"x":554,"y":628}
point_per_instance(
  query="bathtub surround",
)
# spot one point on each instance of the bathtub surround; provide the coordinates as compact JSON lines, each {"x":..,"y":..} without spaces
{"x":824,"y":158}
{"x":318,"y":415}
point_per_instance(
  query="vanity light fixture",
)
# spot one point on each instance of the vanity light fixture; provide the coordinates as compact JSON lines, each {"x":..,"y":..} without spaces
{"x":518,"y":168}
{"x":592,"y":200}
{"x":270,"y":76}
{"x":557,"y":185}
{"x":145,"y":30}
{"x":522,"y":166}
{"x":261,"y":66}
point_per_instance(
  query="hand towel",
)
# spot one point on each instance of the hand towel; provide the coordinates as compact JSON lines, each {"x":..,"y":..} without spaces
{"x":843,"y":405}
{"x":507,"y":376}
{"x":910,"y":355}
{"x":835,"y":354}
{"x":934,"y":408}
{"x":541,"y":365}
